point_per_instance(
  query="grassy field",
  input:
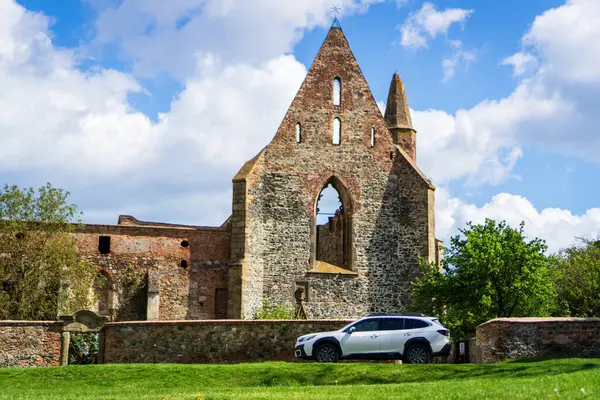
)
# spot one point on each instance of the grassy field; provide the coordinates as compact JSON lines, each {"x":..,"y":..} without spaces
{"x":535,"y":379}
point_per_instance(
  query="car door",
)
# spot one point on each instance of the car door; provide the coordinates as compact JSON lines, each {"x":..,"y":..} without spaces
{"x":363,"y":340}
{"x":392,"y":336}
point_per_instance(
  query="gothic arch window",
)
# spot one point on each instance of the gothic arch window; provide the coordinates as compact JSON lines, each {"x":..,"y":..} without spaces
{"x":337,"y":131}
{"x":372,"y":141}
{"x":332,"y":226}
{"x":337,"y":91}
{"x":298,"y":133}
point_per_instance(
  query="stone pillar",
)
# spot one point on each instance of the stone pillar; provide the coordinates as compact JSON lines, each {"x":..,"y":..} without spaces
{"x":153,"y":296}
{"x":439,"y":254}
{"x":65,"y":340}
{"x":101,"y":338}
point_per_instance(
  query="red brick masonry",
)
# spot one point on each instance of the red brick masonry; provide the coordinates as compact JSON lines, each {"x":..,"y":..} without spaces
{"x":29,"y":343}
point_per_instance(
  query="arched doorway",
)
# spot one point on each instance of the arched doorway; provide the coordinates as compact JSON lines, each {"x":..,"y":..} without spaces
{"x":103,"y":295}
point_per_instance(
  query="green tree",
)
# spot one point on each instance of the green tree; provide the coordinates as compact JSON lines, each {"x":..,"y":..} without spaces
{"x":491,"y":271}
{"x":38,"y":255}
{"x":577,"y":274}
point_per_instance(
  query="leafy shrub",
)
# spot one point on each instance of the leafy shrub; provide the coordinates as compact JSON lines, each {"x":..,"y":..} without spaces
{"x":83,"y":348}
{"x":270,"y":311}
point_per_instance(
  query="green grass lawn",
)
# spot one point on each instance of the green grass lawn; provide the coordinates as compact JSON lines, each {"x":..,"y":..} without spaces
{"x":534,"y":379}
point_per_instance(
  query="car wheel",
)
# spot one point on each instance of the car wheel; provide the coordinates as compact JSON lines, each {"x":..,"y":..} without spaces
{"x":327,"y":352}
{"x":418,"y":354}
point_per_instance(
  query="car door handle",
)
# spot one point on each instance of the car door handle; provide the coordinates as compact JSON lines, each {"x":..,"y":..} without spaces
{"x":374,"y":336}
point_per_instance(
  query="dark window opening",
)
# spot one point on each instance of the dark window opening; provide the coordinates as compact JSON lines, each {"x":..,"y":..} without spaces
{"x":184,"y":264}
{"x":185,"y":243}
{"x":391,"y":155}
{"x":104,"y":245}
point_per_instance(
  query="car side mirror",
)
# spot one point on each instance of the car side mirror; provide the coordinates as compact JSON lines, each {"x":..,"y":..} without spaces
{"x":352,"y":330}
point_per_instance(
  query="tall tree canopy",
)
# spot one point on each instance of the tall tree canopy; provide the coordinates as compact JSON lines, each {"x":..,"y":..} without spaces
{"x":38,"y":255}
{"x":577,"y":274}
{"x":490,"y":271}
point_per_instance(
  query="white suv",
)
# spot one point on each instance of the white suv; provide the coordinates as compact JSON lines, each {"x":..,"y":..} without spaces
{"x":411,"y":337}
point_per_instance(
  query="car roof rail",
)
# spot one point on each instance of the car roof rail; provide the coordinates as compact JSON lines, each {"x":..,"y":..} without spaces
{"x":403,"y":314}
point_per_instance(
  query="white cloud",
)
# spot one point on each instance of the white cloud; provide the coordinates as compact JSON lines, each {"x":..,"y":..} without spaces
{"x":522,"y":63}
{"x":567,"y":38}
{"x":165,"y":36}
{"x":481,"y":144}
{"x":78,"y":131}
{"x":428,"y":23}
{"x":554,"y":109}
{"x":557,"y":226}
{"x":458,"y":57}
{"x":53,"y":114}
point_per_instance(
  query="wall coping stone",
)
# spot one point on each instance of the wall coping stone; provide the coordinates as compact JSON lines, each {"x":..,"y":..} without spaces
{"x":29,"y":323}
{"x":230,"y":322}
{"x":534,"y":320}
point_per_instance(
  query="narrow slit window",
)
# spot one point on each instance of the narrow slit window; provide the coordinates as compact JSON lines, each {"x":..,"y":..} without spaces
{"x":337,"y":91}
{"x":372,"y":143}
{"x":337,"y":130}
{"x":104,"y":244}
{"x":298,"y":133}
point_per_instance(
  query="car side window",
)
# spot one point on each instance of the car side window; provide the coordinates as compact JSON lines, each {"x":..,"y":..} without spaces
{"x":393,"y":324}
{"x":415,"y":324}
{"x":367,"y":325}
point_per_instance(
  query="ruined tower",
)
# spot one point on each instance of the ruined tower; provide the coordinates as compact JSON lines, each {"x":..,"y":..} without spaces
{"x":397,"y":118}
{"x":332,"y":134}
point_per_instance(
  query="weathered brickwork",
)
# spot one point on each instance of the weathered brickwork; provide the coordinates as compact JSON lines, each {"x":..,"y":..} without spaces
{"x":388,"y":201}
{"x":207,"y":341}
{"x":158,"y":271}
{"x":512,"y":338}
{"x":29,"y":343}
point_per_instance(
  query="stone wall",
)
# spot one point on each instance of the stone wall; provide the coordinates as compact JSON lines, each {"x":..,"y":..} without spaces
{"x":158,"y":271}
{"x":228,"y":341}
{"x":511,"y":338}
{"x":29,"y":343}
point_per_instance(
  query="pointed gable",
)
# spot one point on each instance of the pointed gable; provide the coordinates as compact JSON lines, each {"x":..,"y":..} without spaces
{"x":334,"y":60}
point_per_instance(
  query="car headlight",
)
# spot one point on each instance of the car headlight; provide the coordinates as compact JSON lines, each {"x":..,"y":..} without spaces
{"x":306,"y":338}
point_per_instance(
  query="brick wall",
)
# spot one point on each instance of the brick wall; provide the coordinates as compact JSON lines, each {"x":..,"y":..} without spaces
{"x":29,"y":343}
{"x":148,"y":259}
{"x":207,"y":341}
{"x":511,"y":338}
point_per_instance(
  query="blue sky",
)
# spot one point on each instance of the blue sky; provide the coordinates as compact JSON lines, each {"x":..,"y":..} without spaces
{"x":136,"y":106}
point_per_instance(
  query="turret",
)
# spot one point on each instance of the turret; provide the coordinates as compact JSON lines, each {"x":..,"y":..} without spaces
{"x":397,"y":118}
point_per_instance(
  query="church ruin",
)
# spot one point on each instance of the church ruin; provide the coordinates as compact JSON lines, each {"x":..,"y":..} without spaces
{"x":362,"y":260}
